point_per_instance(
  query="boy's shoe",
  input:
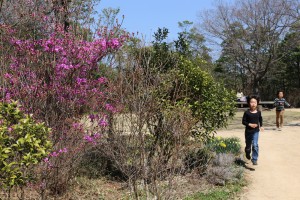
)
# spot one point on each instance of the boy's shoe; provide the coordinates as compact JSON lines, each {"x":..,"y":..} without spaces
{"x":279,"y":129}
{"x":254,"y":162}
{"x":248,"y":156}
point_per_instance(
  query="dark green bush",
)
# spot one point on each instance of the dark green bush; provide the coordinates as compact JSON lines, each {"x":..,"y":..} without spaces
{"x":23,"y":143}
{"x":198,"y":159}
{"x":224,"y":145}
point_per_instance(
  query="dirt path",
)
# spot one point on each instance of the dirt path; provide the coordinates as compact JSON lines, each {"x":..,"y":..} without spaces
{"x":277,"y":175}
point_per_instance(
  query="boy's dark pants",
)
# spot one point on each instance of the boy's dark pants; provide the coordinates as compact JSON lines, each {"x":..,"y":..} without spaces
{"x":252,"y":141}
{"x":248,"y":138}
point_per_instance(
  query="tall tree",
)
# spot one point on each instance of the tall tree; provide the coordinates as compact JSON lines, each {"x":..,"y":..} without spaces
{"x":250,"y":32}
{"x":191,"y":43}
{"x":286,"y":74}
{"x":31,"y":17}
{"x":290,"y":47}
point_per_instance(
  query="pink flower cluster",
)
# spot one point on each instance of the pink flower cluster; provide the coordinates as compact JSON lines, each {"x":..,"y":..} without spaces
{"x":56,"y":78}
{"x":92,"y":138}
{"x":61,"y":66}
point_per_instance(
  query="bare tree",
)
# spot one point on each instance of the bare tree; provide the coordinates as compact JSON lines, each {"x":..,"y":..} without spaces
{"x":43,"y":15}
{"x":147,"y":140}
{"x":250,"y":32}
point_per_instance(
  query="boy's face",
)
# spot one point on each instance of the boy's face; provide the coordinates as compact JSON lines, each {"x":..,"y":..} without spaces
{"x":280,"y":94}
{"x":253,"y":103}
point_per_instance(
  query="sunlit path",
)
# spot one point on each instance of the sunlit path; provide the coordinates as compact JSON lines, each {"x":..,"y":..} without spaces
{"x":277,"y":174}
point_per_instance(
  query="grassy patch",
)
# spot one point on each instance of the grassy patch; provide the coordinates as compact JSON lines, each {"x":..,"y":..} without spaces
{"x":219,"y":193}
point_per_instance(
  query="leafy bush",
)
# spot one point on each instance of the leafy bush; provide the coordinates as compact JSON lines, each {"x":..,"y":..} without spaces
{"x":208,"y":99}
{"x":23,"y":143}
{"x":224,"y":145}
{"x":198,"y":159}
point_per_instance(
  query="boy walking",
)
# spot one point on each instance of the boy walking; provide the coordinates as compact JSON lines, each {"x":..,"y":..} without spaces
{"x":279,"y":103}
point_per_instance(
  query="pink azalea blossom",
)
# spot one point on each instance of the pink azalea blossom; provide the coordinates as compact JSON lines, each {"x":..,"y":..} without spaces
{"x":64,"y":150}
{"x":103,"y":123}
{"x":88,"y":138}
{"x":7,"y":76}
{"x":56,"y":75}
{"x":81,"y":81}
{"x":54,"y":154}
{"x":102,"y":80}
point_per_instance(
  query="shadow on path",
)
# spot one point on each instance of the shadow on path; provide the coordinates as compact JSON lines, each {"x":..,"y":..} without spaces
{"x":293,"y":124}
{"x":242,"y":163}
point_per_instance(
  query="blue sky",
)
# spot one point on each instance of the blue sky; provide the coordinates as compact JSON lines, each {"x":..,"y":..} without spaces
{"x":146,"y":16}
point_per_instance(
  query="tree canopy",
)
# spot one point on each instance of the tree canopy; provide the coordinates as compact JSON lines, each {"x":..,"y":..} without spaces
{"x":250,"y":32}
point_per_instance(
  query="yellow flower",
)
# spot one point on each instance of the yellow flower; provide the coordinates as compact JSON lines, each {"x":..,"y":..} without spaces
{"x":222,"y":144}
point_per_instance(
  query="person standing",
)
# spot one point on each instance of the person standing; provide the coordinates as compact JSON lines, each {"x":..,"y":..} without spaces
{"x":253,"y":121}
{"x":280,"y":103}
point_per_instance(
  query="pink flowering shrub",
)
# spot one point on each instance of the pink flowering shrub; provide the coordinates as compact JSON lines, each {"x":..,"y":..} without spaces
{"x":57,"y":79}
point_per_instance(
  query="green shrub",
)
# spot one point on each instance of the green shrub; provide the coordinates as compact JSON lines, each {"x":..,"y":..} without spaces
{"x":224,"y":145}
{"x":23,"y":143}
{"x":199,"y":159}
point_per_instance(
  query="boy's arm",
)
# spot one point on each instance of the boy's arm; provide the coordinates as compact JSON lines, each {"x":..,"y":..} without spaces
{"x":244,"y":120}
{"x":260,"y":120}
{"x":275,"y":102}
{"x":286,"y":103}
{"x":261,"y":123}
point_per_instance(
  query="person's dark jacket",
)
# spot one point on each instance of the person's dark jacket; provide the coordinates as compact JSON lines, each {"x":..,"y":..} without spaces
{"x":253,"y":118}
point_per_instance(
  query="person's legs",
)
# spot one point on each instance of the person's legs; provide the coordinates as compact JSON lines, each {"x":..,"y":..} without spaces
{"x":277,"y":118}
{"x":248,"y":139}
{"x":255,"y":148}
{"x":281,"y":118}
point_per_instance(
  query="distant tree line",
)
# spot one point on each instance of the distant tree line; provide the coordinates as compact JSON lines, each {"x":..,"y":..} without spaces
{"x":260,"y":44}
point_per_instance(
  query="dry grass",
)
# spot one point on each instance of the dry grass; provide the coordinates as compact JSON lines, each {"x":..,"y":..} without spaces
{"x":82,"y":188}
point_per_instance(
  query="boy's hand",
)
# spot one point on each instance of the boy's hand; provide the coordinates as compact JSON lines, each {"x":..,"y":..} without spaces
{"x":252,"y":125}
{"x":262,"y":128}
